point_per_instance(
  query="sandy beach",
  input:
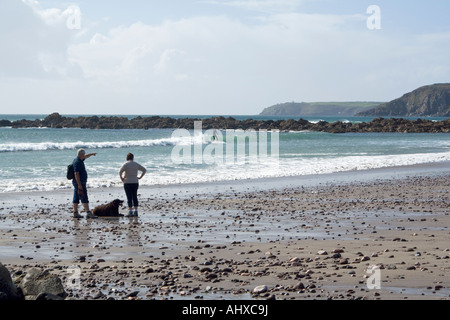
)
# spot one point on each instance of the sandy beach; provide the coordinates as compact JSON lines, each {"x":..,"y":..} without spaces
{"x":310,"y":237}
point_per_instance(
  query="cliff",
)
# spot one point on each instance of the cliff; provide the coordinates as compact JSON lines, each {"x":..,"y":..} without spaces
{"x":427,"y":101}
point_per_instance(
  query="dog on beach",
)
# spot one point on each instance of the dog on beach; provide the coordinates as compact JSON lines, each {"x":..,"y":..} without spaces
{"x":109,"y":210}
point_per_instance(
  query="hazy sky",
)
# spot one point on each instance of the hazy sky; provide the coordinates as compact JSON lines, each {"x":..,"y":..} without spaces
{"x":215,"y":57}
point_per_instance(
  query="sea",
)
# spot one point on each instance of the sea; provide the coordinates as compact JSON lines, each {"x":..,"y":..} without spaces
{"x":36,"y":159}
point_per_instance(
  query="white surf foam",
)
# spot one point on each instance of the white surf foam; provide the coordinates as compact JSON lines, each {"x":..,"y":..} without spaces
{"x":269,"y":168}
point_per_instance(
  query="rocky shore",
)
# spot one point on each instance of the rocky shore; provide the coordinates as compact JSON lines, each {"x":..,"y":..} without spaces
{"x":55,"y":120}
{"x":317,"y":242}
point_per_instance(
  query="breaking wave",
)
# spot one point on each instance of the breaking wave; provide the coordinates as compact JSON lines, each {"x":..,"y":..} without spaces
{"x":44,"y":146}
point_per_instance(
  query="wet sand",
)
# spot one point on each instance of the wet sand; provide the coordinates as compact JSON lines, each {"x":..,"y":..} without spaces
{"x":312,"y":237}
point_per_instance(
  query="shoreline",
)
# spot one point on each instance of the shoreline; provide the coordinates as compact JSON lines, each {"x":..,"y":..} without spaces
{"x":304,"y":237}
{"x":259,"y":184}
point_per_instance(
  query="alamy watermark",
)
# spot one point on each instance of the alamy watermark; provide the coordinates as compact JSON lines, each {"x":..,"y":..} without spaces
{"x":374,"y":280}
{"x":73,"y":21}
{"x":74,"y":279}
{"x":73,"y":14}
{"x":236,"y":147}
{"x":374,"y":20}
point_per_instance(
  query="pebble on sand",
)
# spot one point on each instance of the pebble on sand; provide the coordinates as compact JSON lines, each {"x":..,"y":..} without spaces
{"x":260,"y":289}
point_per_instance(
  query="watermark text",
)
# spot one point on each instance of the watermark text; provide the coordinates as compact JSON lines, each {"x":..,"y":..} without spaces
{"x":235,"y":147}
{"x":374,"y":20}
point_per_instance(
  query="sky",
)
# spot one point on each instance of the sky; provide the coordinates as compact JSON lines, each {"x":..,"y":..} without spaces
{"x":229,"y":57}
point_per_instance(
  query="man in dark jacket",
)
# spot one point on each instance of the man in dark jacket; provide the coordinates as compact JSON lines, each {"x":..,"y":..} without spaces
{"x":79,"y":183}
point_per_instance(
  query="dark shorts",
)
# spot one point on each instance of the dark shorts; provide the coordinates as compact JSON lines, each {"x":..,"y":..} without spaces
{"x":76,"y":197}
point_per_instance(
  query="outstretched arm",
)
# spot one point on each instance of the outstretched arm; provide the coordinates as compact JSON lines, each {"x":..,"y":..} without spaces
{"x":90,"y":155}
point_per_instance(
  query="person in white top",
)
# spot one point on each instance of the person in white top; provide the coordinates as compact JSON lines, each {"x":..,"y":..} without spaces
{"x":129,"y":175}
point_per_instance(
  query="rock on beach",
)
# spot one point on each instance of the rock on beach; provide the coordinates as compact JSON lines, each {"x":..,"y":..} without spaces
{"x":41,"y":283}
{"x":33,"y":284}
{"x":8,"y":290}
{"x":260,"y":289}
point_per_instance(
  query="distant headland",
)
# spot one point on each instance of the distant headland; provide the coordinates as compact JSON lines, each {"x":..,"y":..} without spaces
{"x":426,"y":101}
{"x":56,"y":120}
{"x":307,"y":109}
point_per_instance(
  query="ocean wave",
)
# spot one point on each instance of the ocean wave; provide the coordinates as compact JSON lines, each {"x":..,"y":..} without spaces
{"x":44,"y":146}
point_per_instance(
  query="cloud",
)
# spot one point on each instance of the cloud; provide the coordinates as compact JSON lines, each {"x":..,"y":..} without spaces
{"x":263,"y":6}
{"x":227,"y":64}
{"x":35,"y":41}
{"x":54,"y":16}
{"x":166,"y":59}
{"x":208,"y":64}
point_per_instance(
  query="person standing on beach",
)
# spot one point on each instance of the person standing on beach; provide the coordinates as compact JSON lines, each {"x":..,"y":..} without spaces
{"x":131,"y":182}
{"x":79,"y":183}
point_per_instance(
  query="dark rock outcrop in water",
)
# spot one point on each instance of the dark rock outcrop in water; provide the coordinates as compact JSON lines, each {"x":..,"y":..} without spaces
{"x":55,"y":120}
{"x":432,"y":101}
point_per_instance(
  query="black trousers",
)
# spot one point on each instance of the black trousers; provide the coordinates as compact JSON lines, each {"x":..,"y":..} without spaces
{"x":131,"y":192}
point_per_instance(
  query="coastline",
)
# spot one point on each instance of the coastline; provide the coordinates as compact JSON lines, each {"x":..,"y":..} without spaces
{"x":221,"y":240}
{"x":258,"y":184}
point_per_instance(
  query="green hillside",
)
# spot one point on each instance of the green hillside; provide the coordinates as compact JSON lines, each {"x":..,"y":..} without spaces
{"x":296,"y":109}
{"x":426,"y":101}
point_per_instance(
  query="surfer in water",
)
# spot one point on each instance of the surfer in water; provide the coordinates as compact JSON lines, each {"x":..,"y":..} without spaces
{"x":215,"y":136}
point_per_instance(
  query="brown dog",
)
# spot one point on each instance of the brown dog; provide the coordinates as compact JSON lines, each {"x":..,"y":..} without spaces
{"x":109,"y":210}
